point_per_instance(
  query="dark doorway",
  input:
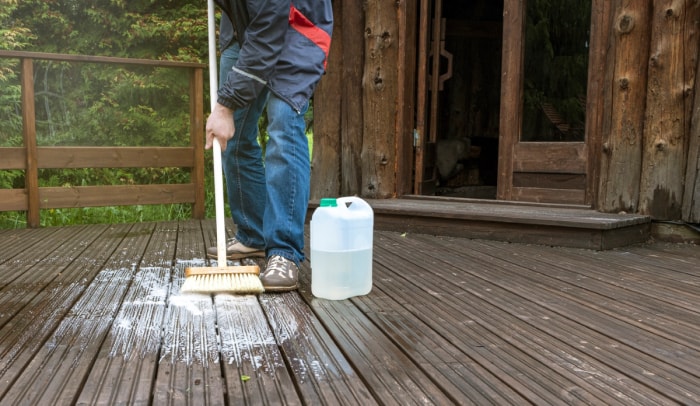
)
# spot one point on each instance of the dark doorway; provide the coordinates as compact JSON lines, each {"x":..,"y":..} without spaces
{"x":464,"y":98}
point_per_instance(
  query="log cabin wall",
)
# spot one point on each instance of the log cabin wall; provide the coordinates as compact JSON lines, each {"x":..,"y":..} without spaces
{"x":364,"y":106}
{"x":649,"y":158}
{"x":645,"y":140}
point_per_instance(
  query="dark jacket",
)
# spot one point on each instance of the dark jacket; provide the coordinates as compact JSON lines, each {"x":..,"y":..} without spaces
{"x":226,"y":34}
{"x":284,"y":46}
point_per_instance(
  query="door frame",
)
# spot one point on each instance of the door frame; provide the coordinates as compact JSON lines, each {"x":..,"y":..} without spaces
{"x":425,"y":133}
{"x":565,"y":172}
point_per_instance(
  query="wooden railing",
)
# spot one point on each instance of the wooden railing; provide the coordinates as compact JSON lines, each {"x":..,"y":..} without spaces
{"x":31,"y":158}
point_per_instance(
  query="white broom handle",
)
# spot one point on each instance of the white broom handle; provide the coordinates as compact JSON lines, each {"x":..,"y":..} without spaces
{"x":218,"y":181}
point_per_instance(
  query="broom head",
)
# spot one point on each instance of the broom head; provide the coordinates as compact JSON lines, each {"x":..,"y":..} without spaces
{"x":229,"y":279}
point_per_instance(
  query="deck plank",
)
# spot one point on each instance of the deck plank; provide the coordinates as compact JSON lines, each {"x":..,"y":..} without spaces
{"x":649,"y":299}
{"x":390,"y":375}
{"x":321,"y":372}
{"x":188,"y":370}
{"x":31,"y":271}
{"x":124,"y":370}
{"x":58,"y":369}
{"x":251,"y":359}
{"x":640,"y":299}
{"x":19,"y":241}
{"x":453,"y":303}
{"x":252,"y":363}
{"x":285,"y":354}
{"x":26,"y":330}
{"x":603,"y":339}
{"x":454,"y":371}
{"x":668,"y":344}
{"x":27,"y":251}
{"x":94,"y":315}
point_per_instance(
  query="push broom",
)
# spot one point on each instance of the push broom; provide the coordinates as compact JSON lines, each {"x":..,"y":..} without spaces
{"x":221,"y":278}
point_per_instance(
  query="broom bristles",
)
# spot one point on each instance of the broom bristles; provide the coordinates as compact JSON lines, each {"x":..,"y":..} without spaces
{"x":237,"y":279}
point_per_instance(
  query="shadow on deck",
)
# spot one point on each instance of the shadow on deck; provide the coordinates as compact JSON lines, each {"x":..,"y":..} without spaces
{"x":93,"y":315}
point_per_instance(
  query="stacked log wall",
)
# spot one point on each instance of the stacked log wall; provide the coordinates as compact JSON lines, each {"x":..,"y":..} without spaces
{"x":646,"y":158}
{"x":649,"y":142}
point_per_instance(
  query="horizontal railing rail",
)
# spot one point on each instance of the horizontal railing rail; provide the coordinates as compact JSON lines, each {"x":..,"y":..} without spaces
{"x":30,"y":158}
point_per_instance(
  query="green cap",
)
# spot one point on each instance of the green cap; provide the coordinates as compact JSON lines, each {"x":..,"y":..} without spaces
{"x":328,"y":202}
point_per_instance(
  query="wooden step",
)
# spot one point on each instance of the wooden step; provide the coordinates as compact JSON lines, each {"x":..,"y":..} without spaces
{"x":535,"y":223}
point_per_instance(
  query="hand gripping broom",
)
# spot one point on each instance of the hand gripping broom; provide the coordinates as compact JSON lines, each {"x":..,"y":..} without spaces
{"x":222,"y":278}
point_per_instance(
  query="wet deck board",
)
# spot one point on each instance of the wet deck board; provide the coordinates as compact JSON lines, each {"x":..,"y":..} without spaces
{"x":390,"y":374}
{"x":58,"y":368}
{"x":123,"y":370}
{"x":93,"y":315}
{"x":36,"y":302}
{"x":483,"y":335}
{"x":580,"y":320}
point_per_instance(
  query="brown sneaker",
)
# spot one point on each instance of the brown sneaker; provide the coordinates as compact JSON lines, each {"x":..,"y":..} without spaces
{"x":280,"y":275}
{"x":236,"y":250}
{"x":260,"y":262}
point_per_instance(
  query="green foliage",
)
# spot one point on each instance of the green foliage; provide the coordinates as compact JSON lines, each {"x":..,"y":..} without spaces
{"x":98,"y":104}
{"x":85,"y":104}
{"x":173,"y":29}
{"x":11,"y":179}
{"x":12,"y":35}
{"x":99,"y":215}
{"x":91,"y":104}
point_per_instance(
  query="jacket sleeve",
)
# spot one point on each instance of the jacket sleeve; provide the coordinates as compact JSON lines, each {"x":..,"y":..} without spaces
{"x":262,"y":43}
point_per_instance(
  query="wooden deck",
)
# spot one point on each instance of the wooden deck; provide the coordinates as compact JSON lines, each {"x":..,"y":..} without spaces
{"x":93,"y":315}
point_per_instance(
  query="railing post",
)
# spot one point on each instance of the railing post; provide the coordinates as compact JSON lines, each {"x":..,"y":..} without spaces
{"x":31,"y":173}
{"x":196,"y":134}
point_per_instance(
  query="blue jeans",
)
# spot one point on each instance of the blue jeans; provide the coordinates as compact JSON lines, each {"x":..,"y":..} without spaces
{"x":268,"y":198}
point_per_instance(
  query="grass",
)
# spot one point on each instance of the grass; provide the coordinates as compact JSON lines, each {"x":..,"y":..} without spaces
{"x":99,"y":215}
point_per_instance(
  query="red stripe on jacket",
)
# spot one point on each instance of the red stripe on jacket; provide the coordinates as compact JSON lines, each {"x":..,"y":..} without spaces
{"x":306,"y":28}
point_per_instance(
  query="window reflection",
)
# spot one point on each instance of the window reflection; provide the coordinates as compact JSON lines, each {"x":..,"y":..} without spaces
{"x":556,"y":70}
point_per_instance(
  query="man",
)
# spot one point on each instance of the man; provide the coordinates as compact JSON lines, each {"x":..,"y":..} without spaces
{"x":277,"y":59}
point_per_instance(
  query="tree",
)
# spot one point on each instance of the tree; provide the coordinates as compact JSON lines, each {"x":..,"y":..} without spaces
{"x":71,"y":98}
{"x":98,"y":104}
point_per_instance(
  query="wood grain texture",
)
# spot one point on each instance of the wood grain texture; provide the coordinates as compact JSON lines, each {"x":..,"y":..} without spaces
{"x":93,"y":314}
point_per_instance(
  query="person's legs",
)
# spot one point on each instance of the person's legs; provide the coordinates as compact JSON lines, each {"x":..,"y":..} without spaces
{"x":244,"y":170}
{"x":245,"y":175}
{"x":228,"y":59}
{"x":287,"y":170}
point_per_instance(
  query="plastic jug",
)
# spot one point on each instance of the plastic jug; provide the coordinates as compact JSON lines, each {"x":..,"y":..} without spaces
{"x":341,"y":248}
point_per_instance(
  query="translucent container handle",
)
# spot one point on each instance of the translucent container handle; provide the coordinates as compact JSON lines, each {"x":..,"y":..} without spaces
{"x":356,"y":203}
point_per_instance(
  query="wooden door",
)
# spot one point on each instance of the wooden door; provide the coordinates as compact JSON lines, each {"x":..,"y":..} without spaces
{"x":543,"y":143}
{"x":430,"y":54}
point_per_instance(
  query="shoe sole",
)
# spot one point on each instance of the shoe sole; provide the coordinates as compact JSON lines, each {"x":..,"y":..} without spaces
{"x":253,"y":254}
{"x":277,"y":289}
